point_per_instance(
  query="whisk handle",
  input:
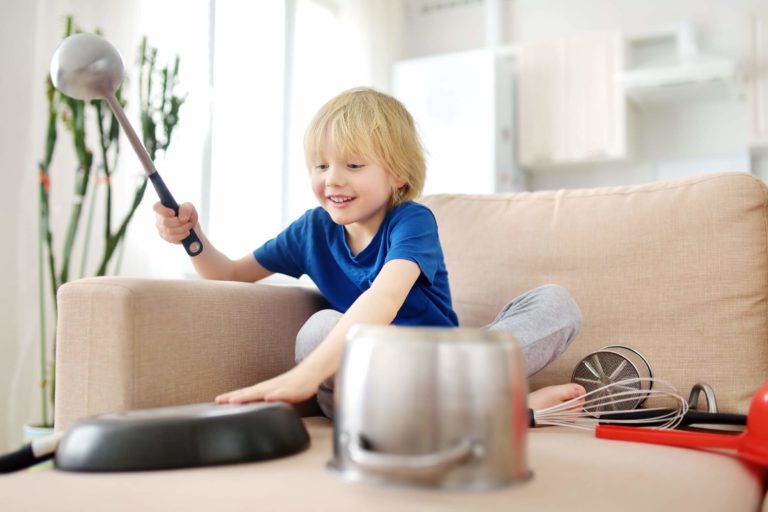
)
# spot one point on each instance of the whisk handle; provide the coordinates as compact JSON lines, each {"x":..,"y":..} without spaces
{"x":691,"y":417}
{"x":668,"y":437}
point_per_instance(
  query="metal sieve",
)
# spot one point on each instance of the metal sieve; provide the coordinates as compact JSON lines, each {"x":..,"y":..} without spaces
{"x":609,"y":365}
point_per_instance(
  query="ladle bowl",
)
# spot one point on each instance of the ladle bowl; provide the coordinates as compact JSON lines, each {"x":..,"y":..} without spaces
{"x":88,"y":67}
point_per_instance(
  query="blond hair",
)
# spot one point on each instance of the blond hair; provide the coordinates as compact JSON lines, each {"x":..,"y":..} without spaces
{"x":364,"y":122}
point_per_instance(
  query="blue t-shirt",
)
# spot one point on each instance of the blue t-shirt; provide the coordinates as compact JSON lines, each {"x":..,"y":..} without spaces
{"x":317,"y":246}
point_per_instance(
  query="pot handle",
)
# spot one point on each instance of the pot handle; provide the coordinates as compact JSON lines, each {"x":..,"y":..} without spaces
{"x":419,"y":466}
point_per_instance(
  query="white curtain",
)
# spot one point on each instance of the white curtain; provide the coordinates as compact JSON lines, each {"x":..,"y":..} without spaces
{"x":328,"y":46}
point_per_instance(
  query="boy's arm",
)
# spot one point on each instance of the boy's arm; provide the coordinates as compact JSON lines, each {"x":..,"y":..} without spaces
{"x":377,"y":305}
{"x":210,"y":263}
{"x":213,"y":264}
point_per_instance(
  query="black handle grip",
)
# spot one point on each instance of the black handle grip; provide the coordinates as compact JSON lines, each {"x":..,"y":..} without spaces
{"x":192,"y":243}
{"x":691,"y":417}
{"x":21,"y":459}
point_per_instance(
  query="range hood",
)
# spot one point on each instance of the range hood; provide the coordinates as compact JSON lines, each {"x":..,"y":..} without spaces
{"x":685,"y":75}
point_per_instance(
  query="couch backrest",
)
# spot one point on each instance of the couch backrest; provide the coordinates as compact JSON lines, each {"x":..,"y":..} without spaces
{"x":677,"y":270}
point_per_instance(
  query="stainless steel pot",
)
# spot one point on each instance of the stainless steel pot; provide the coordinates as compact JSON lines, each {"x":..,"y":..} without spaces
{"x":431,"y":407}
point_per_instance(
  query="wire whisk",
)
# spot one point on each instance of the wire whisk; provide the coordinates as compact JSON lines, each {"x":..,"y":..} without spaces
{"x":615,"y":404}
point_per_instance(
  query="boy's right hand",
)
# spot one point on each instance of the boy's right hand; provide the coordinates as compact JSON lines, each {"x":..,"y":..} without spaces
{"x":172,"y":228}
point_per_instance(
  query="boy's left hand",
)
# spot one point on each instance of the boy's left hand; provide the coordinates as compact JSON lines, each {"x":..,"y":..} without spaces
{"x":295,"y":385}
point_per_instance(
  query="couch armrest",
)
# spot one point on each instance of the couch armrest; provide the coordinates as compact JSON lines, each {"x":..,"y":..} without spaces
{"x":128,"y":343}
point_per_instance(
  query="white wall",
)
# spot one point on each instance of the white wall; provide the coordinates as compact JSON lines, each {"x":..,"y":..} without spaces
{"x":684,"y":134}
{"x":16,"y":105}
{"x":30,"y":32}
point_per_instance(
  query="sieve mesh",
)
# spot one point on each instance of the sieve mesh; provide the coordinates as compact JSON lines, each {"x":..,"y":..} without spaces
{"x":602,"y":368}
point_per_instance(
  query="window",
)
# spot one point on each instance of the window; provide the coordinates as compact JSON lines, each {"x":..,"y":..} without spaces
{"x":246,"y":175}
{"x":326,"y":59}
{"x":255,"y":72}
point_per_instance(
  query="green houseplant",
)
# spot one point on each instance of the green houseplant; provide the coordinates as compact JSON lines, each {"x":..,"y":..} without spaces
{"x":84,"y":122}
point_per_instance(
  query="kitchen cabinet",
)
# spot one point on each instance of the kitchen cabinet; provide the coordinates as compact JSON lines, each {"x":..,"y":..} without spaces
{"x":571,"y":108}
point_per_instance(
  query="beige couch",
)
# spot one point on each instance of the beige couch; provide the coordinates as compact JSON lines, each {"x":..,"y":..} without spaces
{"x":677,"y":270}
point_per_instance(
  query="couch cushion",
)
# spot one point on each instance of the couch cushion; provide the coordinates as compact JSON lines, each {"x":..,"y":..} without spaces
{"x":572,"y":470}
{"x":677,"y":270}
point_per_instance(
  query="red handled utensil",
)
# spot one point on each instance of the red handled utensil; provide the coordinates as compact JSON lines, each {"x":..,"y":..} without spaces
{"x":751,"y":445}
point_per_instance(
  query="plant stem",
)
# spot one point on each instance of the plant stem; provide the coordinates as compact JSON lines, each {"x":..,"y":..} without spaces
{"x":44,"y":183}
{"x":41,"y":313}
{"x":45,"y":241}
{"x":104,"y":143}
{"x":115,"y":239}
{"x":85,"y":159}
{"x":88,"y":229}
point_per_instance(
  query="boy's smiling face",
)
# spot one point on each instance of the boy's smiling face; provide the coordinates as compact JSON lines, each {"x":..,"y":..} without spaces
{"x":354,"y":190}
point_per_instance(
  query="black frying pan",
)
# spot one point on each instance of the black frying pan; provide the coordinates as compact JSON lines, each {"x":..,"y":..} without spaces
{"x":168,"y":438}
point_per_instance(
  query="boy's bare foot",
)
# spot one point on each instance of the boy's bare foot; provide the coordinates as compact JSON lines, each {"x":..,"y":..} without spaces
{"x":554,"y":395}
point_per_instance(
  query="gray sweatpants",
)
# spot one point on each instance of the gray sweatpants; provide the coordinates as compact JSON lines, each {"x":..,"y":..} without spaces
{"x":544,"y":320}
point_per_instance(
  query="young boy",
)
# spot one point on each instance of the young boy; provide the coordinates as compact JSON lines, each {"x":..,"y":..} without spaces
{"x":373,"y":253}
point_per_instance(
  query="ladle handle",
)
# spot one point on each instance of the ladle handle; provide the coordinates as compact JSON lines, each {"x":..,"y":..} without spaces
{"x":192,"y":243}
{"x":668,"y":437}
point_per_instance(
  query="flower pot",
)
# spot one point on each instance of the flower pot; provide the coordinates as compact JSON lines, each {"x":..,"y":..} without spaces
{"x":32,"y":432}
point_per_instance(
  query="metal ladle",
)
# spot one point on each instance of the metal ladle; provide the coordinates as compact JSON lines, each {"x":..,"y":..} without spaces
{"x":87,"y":67}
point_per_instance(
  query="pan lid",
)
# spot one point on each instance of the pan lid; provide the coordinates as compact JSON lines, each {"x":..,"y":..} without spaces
{"x":182,"y":437}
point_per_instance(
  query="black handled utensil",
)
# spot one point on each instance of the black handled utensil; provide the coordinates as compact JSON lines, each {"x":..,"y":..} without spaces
{"x":87,"y":67}
{"x":691,"y":417}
